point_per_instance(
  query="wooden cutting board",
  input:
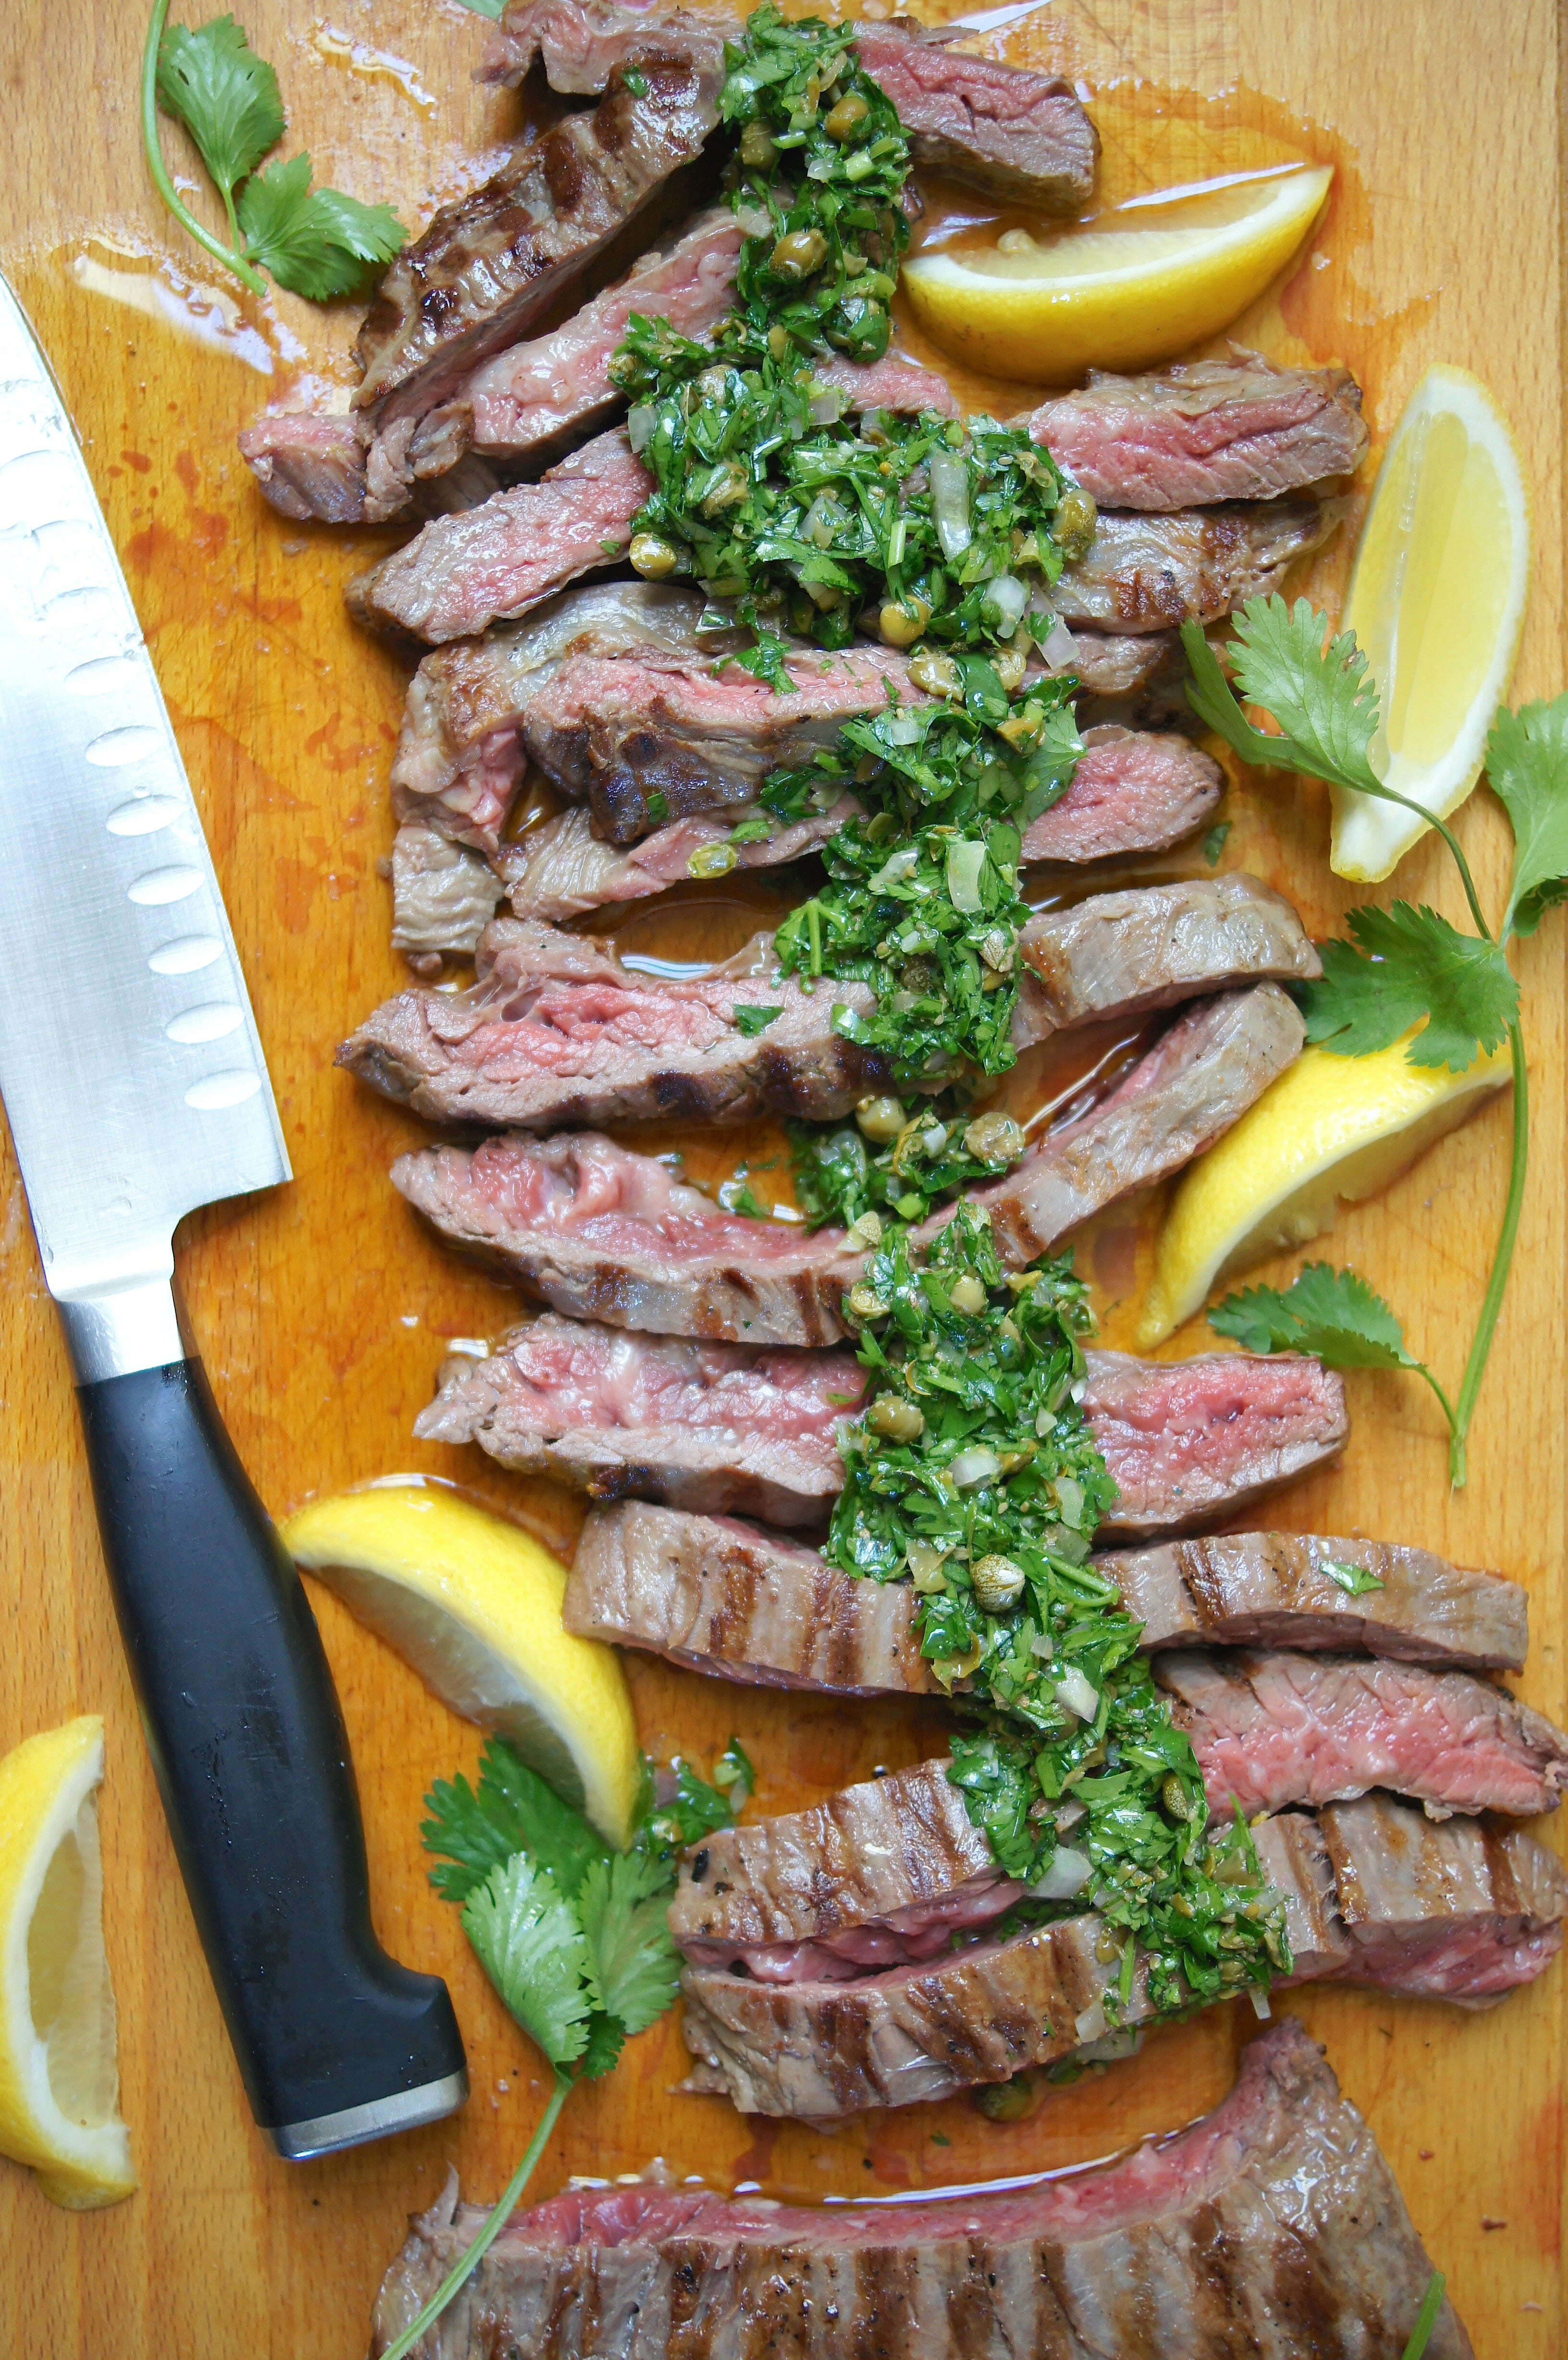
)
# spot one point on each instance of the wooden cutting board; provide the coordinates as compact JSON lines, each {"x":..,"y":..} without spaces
{"x":324,"y":1309}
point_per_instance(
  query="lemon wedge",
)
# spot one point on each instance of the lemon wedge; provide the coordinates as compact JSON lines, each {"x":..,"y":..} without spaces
{"x":1145,"y":281}
{"x":59,"y":2082}
{"x":1331,"y":1129}
{"x":473,"y":1603}
{"x":1436,"y":601}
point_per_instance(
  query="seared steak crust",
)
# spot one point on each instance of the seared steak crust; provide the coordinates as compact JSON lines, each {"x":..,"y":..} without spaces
{"x":1204,"y":432}
{"x":1459,"y":1910}
{"x":1145,"y":572}
{"x":1270,"y":2221}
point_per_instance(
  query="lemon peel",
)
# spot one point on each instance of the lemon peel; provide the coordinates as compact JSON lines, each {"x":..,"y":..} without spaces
{"x":1132,"y":289}
{"x":1330,"y":1130}
{"x":474,"y":1604}
{"x":59,"y":2082}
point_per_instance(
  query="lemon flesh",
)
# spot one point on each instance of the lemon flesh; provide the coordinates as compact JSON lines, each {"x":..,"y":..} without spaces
{"x":1436,"y":601}
{"x":1332,"y":1130}
{"x":58,"y":2079}
{"x":1134,"y":288}
{"x":473,"y":1604}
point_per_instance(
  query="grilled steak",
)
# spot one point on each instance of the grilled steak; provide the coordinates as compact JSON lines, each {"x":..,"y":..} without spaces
{"x":1271,"y":1589}
{"x":1132,"y":792}
{"x":605,"y":1234}
{"x":1203,"y":431}
{"x":444,"y":894}
{"x":1374,"y":1894}
{"x":717,"y":1426}
{"x":562,"y":869}
{"x":1151,"y":948}
{"x":490,"y":266}
{"x":1272,"y":2217}
{"x":1271,"y":1730}
{"x":724,"y":1598}
{"x":307,"y":463}
{"x":993,"y":126}
{"x":1145,"y":572}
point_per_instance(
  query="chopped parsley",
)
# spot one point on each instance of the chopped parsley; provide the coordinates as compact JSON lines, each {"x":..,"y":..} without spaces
{"x":750,"y":1022}
{"x":1354,"y":1579}
{"x":973,"y":1473}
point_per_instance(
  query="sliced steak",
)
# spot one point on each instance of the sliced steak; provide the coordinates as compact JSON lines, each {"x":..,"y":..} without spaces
{"x":444,"y":894}
{"x":1130,"y":793}
{"x":716,"y":1426}
{"x":1272,"y":1730}
{"x":562,"y":869}
{"x":727,"y":1598}
{"x":491,"y":265}
{"x":555,"y":1032}
{"x":1460,"y":1910}
{"x":1146,"y":573}
{"x":1151,"y":948}
{"x":1275,"y":2209}
{"x":603,"y":1233}
{"x":1272,"y":1589}
{"x":1203,"y":431}
{"x":309,"y":464}
{"x":993,"y":126}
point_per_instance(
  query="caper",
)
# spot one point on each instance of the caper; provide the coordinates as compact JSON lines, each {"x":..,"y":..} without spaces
{"x":778,"y":343}
{"x":798,"y":253}
{"x":727,"y":491}
{"x":757,"y":148}
{"x":1173,"y":1798}
{"x":651,"y":556}
{"x":937,"y":674}
{"x":902,"y":624}
{"x":1007,"y":663}
{"x":867,"y":1303}
{"x":967,"y":1295}
{"x":1108,"y":1950}
{"x":712,"y":860}
{"x":865,"y":1233}
{"x":998,"y":1583}
{"x":1009,"y":2102}
{"x":1021,"y":728}
{"x":896,"y":1420}
{"x":993,"y":1139}
{"x":880,"y":1118}
{"x":1073,"y":528}
{"x":847,"y":118}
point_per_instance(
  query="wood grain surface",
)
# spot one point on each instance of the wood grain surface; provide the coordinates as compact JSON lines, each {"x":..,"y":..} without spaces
{"x":324,"y":1309}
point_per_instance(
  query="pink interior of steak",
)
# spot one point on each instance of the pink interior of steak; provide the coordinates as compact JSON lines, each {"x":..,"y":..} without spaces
{"x":1162,"y":1421}
{"x":595,"y":1378}
{"x":1475,"y":1961}
{"x":561,"y":1027}
{"x":905,"y":1937}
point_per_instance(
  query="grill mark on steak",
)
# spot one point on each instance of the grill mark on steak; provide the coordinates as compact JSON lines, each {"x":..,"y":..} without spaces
{"x":1204,"y":432}
{"x":1146,"y":573}
{"x":990,"y":125}
{"x":1409,"y":1907}
{"x":1176,"y":2251}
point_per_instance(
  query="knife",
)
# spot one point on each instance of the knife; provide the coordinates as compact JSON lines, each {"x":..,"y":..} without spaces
{"x":136,"y":1090}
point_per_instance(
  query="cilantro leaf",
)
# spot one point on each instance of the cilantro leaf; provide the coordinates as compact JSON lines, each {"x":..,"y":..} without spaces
{"x":1322,"y":697}
{"x":227,"y":98}
{"x":1527,"y":762}
{"x":1354,"y":1579}
{"x":1330,"y":1313}
{"x":514,"y":1810}
{"x":1408,"y":964}
{"x":750,"y":1022}
{"x":316,"y":241}
{"x":1215,"y":842}
{"x":632,"y":1957}
{"x":529,"y":1942}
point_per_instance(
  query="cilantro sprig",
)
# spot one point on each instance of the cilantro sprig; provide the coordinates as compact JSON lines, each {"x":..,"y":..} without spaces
{"x":316,"y":241}
{"x":1402,"y":967}
{"x":572,"y":1934}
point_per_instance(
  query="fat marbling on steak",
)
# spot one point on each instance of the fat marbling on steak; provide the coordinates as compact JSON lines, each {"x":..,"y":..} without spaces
{"x":755,"y":1427}
{"x":1200,"y":432}
{"x":1270,"y":2226}
{"x":602,"y":1233}
{"x":1374,"y":1893}
{"x":722,"y":1596}
{"x":993,"y":127}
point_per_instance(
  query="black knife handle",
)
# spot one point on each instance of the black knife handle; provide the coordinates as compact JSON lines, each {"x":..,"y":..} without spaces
{"x":336,"y":2042}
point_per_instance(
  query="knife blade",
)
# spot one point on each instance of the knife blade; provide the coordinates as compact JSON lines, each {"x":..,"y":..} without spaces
{"x":136,"y":1087}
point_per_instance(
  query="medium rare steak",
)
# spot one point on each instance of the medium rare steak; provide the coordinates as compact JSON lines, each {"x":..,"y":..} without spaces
{"x":1153,"y":947}
{"x":602,"y":1233}
{"x":562,"y":869}
{"x":1271,"y":1730}
{"x":1375,"y":1893}
{"x":1272,"y":2218}
{"x":490,"y":265}
{"x":1146,"y":573}
{"x":724,"y":1598}
{"x":993,"y":127}
{"x":1273,"y":1589}
{"x":715,"y":1425}
{"x":1204,"y":432}
{"x":309,"y":464}
{"x":1132,"y":792}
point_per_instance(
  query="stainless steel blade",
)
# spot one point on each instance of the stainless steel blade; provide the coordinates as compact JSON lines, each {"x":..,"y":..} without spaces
{"x":129,"y":1061}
